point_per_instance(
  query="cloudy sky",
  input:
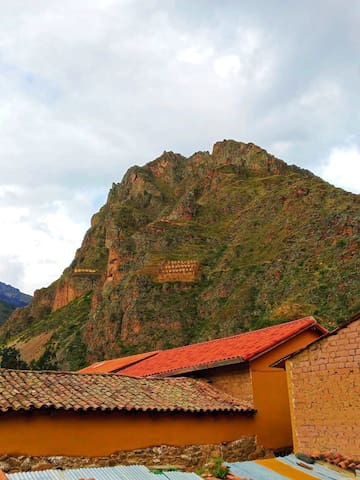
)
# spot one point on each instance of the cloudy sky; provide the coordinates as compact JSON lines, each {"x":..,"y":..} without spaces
{"x":91,"y":87}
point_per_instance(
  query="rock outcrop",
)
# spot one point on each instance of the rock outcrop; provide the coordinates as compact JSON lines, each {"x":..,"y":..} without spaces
{"x":188,"y":249}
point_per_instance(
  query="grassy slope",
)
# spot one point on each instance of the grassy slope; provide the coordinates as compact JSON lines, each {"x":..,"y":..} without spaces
{"x":5,"y":311}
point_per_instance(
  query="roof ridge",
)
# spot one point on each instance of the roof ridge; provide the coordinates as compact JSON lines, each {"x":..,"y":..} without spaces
{"x":60,"y":372}
{"x":237,"y":348}
{"x":234,"y":336}
{"x":99,"y":374}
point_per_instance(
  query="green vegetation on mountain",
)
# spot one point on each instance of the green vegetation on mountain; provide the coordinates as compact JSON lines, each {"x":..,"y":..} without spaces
{"x":11,"y":298}
{"x":273,"y":243}
{"x":5,"y":310}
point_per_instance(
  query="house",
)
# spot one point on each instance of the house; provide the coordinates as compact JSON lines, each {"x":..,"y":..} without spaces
{"x":240,"y":366}
{"x":324,"y":391}
{"x":64,"y":413}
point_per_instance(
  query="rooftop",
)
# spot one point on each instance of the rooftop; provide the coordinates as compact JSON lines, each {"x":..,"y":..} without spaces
{"x":243,"y":347}
{"x":28,"y":390}
{"x":112,"y":366}
{"x":281,"y":362}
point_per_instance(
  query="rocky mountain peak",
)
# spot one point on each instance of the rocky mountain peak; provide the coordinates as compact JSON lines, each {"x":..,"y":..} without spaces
{"x":189,"y":249}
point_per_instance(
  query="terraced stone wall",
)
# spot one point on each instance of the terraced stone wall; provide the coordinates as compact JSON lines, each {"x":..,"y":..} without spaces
{"x":178,"y":271}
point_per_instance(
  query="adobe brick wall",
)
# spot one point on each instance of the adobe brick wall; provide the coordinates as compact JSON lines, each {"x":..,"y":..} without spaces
{"x":232,"y":379}
{"x":324,"y":384}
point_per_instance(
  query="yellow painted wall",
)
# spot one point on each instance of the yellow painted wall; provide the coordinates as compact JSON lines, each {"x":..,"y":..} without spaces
{"x":102,"y":433}
{"x":270,"y":394}
{"x":263,"y":386}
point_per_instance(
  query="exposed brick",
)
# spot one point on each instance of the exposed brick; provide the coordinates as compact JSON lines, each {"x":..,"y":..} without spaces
{"x":326,"y":393}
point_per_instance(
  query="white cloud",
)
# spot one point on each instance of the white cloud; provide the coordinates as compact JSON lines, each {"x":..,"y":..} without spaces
{"x":194,"y":56}
{"x":324,"y":93}
{"x":91,"y":87}
{"x":343,"y":168}
{"x":227,"y":66}
{"x":281,"y":148}
{"x":39,"y":243}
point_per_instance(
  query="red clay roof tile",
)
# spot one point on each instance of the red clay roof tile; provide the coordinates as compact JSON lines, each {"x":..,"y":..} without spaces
{"x":242,"y":347}
{"x":27,"y":390}
{"x":112,"y":366}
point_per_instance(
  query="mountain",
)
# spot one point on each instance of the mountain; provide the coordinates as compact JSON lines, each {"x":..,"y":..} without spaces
{"x":189,"y":249}
{"x":5,"y":311}
{"x":11,"y":298}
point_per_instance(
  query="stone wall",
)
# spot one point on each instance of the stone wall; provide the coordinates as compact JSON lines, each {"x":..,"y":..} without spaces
{"x":188,"y":457}
{"x":178,"y":271}
{"x":325,"y":391}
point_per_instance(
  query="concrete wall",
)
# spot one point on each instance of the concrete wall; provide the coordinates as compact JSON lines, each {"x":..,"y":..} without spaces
{"x":324,"y":383}
{"x":44,"y":433}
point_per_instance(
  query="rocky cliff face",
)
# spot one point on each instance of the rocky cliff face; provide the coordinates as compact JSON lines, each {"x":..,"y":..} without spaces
{"x":187,"y":249}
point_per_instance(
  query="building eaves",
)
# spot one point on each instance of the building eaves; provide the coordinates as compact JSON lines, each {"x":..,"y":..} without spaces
{"x":113,"y":365}
{"x":69,"y":391}
{"x":281,"y":362}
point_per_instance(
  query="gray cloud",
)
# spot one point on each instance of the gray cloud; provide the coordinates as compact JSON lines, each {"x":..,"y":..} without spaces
{"x":11,"y":269}
{"x":89,"y":88}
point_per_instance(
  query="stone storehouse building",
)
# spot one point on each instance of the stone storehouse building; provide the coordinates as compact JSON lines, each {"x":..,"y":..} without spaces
{"x":240,"y":366}
{"x":324,"y":391}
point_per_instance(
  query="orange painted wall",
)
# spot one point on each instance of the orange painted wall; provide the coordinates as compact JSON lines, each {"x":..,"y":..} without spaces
{"x":102,"y":433}
{"x":270,"y":394}
{"x":265,"y":387}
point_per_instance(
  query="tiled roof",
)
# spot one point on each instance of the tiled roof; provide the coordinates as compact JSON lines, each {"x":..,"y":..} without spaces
{"x":238,"y":348}
{"x":27,"y":390}
{"x":112,"y":366}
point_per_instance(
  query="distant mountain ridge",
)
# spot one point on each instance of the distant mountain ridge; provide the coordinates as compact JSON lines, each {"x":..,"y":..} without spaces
{"x":190,"y":249}
{"x":11,"y":298}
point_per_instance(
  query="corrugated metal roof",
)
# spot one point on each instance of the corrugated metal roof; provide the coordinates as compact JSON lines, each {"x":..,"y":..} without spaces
{"x":135,"y":472}
{"x":181,"y":476}
{"x":253,"y":470}
{"x":318,"y":470}
{"x":273,"y":469}
{"x":132,"y":472}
